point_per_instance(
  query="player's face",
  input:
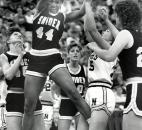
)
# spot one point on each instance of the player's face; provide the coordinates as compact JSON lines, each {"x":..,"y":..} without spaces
{"x":16,"y":37}
{"x":107,"y":35}
{"x":74,"y":53}
{"x":54,"y":6}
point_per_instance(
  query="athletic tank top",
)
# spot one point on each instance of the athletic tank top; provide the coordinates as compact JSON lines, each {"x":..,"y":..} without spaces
{"x":79,"y":80}
{"x":131,"y":59}
{"x":47,"y":30}
{"x":19,"y":78}
{"x":100,"y":71}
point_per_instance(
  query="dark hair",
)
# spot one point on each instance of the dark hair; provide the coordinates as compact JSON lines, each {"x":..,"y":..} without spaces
{"x":73,"y":44}
{"x":129,"y":13}
{"x":13,"y":29}
{"x":10,"y":31}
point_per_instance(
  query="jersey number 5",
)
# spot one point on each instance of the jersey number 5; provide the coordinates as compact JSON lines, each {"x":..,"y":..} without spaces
{"x":48,"y":34}
{"x":139,"y":58}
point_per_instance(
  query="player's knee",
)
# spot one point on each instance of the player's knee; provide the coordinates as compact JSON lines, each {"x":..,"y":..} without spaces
{"x":29,"y":106}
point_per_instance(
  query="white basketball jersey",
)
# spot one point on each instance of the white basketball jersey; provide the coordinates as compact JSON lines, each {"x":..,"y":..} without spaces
{"x":100,"y":70}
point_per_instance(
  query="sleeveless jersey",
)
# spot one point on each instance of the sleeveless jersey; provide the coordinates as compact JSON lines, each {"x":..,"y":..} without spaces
{"x":79,"y":80}
{"x":47,"y":30}
{"x":131,"y":59}
{"x":19,"y":78}
{"x":100,"y":71}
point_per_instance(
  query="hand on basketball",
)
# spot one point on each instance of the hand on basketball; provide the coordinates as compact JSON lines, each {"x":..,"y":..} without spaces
{"x":102,"y":12}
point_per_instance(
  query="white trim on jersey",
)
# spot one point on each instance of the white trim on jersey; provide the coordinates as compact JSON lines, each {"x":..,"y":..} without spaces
{"x":132,"y":105}
{"x":38,"y":112}
{"x":36,"y":15}
{"x":18,"y":114}
{"x":12,"y":91}
{"x":62,"y":97}
{"x":66,"y":117}
{"x":44,"y":52}
{"x":56,"y":67}
{"x":33,"y":73}
{"x":100,"y":83}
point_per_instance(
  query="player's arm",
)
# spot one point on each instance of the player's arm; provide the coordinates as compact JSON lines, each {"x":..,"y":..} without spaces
{"x":74,"y":15}
{"x":123,"y":40}
{"x":104,"y":15}
{"x":90,"y":26}
{"x":41,"y":5}
{"x":55,"y":91}
{"x":10,"y":70}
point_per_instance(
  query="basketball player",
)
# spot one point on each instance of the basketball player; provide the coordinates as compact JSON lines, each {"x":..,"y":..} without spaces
{"x":45,"y":58}
{"x":68,"y":110}
{"x":14,"y":63}
{"x":127,"y":46}
{"x":99,"y":95}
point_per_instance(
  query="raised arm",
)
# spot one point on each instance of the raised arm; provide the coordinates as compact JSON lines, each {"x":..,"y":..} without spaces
{"x":41,"y":5}
{"x":75,"y":14}
{"x":103,"y":13}
{"x":123,"y":39}
{"x":90,"y":26}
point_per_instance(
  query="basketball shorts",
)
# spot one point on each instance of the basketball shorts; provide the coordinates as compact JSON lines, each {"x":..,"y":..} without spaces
{"x":100,"y":98}
{"x":133,"y":98}
{"x":42,"y":66}
{"x":47,"y":114}
{"x":15,"y":105}
{"x":67,"y":109}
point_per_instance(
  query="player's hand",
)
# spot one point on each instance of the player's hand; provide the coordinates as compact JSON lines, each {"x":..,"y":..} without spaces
{"x":92,"y":45}
{"x":56,"y":117}
{"x":102,"y":12}
{"x":20,"y":48}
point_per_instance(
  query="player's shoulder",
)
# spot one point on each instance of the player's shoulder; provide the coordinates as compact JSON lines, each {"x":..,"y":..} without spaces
{"x":125,"y":33}
{"x":3,"y":56}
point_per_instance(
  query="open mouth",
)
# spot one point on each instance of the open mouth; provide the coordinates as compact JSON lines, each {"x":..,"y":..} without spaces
{"x":75,"y":56}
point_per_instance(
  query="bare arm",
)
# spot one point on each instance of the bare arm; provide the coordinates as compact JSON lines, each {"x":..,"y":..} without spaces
{"x":55,"y":90}
{"x":41,"y":5}
{"x":104,"y":15}
{"x":90,"y":26}
{"x":122,"y":40}
{"x":75,"y":14}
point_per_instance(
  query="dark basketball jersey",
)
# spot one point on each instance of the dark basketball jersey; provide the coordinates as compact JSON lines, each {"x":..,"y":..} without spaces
{"x":131,"y":59}
{"x":19,"y":78}
{"x":78,"y":79}
{"x":47,"y":30}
